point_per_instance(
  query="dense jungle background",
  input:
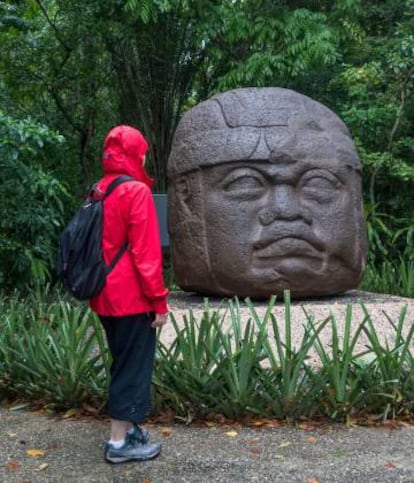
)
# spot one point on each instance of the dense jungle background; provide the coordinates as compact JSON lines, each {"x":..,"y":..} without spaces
{"x":70,"y":70}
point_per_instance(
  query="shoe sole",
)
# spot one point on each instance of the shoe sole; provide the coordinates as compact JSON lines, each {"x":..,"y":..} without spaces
{"x":125,"y":459}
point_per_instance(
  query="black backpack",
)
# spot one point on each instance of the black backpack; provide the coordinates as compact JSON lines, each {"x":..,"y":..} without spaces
{"x":80,"y":264}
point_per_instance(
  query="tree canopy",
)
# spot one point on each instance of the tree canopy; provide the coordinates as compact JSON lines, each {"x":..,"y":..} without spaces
{"x":72,"y":70}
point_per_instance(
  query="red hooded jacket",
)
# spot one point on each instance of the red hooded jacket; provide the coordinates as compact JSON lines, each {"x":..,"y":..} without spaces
{"x":135,"y":285}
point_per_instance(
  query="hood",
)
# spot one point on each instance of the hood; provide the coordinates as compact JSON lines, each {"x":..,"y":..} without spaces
{"x":124,"y":151}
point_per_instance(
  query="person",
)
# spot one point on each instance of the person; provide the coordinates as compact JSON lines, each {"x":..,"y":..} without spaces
{"x":133,"y":302}
{"x":265,"y":195}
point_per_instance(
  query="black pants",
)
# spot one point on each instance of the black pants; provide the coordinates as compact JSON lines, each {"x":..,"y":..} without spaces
{"x":131,"y":341}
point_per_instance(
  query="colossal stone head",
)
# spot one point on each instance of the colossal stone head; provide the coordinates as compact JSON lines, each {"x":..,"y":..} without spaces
{"x":265,"y":195}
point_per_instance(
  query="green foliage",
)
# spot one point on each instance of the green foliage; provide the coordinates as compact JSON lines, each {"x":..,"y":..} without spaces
{"x":55,"y":352}
{"x":290,"y":385}
{"x":380,"y":235}
{"x":374,"y":95}
{"x":396,"y":277}
{"x":9,"y":17}
{"x":156,"y":48}
{"x":148,"y":10}
{"x":239,"y":365}
{"x":82,"y":67}
{"x":57,"y":70}
{"x":273,"y":45}
{"x":392,"y":366}
{"x":340,"y":372}
{"x":32,"y":203}
{"x":219,"y":368}
{"x":189,"y":364}
{"x":222,"y":363}
{"x":211,"y":367}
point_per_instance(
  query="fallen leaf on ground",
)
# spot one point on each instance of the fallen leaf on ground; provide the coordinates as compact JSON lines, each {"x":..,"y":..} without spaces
{"x":232,"y":434}
{"x":390,"y":466}
{"x":220,"y":418}
{"x":257,"y":423}
{"x":392,"y":424}
{"x":70,"y":413}
{"x":311,"y":439}
{"x":284,"y":445}
{"x":164,"y":417}
{"x":90,"y":409}
{"x":166,"y":432}
{"x":146,"y":480}
{"x":35,"y":452}
{"x":273,"y":424}
{"x":12,"y":466}
{"x":19,"y":407}
{"x":312,"y":480}
{"x":306,"y":426}
{"x":263,"y":422}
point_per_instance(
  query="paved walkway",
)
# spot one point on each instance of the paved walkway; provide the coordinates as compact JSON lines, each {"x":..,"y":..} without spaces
{"x":71,"y":451}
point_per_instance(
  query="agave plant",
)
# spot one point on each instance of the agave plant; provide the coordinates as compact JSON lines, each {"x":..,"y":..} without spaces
{"x":56,"y":352}
{"x":392,"y":364}
{"x":290,"y":385}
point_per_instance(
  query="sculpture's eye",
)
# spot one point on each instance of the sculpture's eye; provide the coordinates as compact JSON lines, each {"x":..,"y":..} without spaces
{"x":244,"y":182}
{"x":320,"y":186}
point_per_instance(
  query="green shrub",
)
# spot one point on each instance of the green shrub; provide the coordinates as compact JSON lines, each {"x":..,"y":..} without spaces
{"x":341,"y":374}
{"x":290,"y":386}
{"x":55,"y":352}
{"x":241,"y":370}
{"x":31,"y":211}
{"x":391,"y":367}
{"x":219,"y":363}
{"x":390,"y":278}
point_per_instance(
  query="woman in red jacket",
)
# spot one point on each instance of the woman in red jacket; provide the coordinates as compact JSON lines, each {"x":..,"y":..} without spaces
{"x":134,"y":300}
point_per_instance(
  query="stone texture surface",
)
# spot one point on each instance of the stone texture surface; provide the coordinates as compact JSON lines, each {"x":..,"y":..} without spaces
{"x":264,"y":195}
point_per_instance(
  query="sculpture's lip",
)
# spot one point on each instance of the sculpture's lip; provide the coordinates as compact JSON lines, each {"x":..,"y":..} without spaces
{"x":287,"y":246}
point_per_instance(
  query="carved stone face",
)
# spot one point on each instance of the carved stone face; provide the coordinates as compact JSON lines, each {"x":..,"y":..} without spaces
{"x":272,"y":225}
{"x":283,"y":212}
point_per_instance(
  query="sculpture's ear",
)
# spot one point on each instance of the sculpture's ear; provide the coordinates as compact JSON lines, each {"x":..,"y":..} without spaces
{"x":187,"y":189}
{"x":183,"y":188}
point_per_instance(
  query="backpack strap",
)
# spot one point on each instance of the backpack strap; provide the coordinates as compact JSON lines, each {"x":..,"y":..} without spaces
{"x":116,"y":258}
{"x":111,"y":187}
{"x":116,"y":182}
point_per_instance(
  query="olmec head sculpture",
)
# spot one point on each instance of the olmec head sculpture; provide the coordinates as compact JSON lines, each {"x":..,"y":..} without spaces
{"x":265,"y":195}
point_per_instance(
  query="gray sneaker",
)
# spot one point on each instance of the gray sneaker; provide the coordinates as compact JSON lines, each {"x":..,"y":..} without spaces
{"x":139,"y":434}
{"x":132,"y":450}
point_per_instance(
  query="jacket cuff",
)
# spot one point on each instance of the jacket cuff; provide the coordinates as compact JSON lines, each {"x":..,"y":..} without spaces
{"x":160,"y":306}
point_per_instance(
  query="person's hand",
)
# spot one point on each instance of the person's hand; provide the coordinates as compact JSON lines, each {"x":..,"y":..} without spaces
{"x":160,"y":320}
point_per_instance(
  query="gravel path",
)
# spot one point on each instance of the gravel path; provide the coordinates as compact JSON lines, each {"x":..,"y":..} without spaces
{"x":380,"y":307}
{"x":71,"y":451}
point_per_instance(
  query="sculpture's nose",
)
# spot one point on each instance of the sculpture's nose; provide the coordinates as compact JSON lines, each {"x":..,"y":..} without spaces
{"x":283,"y":204}
{"x":267,"y":216}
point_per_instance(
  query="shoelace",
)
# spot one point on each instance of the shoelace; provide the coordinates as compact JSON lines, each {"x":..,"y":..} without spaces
{"x":140,"y":435}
